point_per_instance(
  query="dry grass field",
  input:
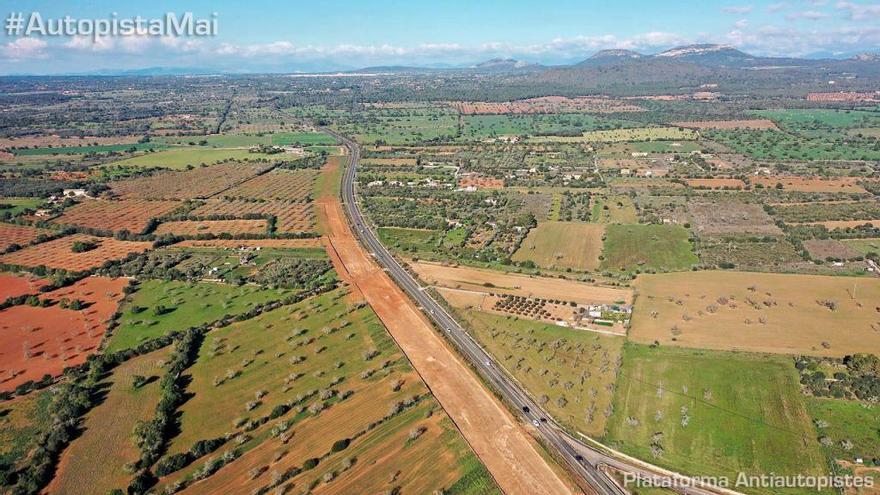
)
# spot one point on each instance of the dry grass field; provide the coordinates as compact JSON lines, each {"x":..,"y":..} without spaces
{"x":716,"y":183}
{"x":59,"y":253}
{"x":107,"y":431}
{"x":760,"y":124}
{"x":480,"y":280}
{"x":730,"y":217}
{"x":821,"y":249}
{"x":759,"y":312}
{"x":132,"y":215}
{"x":624,"y":135}
{"x":561,"y":245}
{"x":570,"y":372}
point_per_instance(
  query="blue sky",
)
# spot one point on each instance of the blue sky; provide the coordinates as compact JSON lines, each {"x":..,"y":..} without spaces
{"x":266,"y":35}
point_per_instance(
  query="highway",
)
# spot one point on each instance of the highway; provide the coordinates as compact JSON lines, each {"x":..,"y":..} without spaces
{"x":586,"y":461}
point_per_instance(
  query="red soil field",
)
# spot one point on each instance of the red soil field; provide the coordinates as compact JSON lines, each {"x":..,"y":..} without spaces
{"x":727,"y":124}
{"x":58,"y":253}
{"x":293,"y":216}
{"x":21,"y":235}
{"x":14,"y":285}
{"x":811,"y":184}
{"x":267,"y":243}
{"x":844,"y":96}
{"x":481,"y":182}
{"x":38,"y":341}
{"x":196,"y":227}
{"x":62,"y":175}
{"x":132,"y":215}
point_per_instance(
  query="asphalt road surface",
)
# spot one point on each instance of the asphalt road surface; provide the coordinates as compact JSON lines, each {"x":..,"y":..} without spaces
{"x":584,"y":460}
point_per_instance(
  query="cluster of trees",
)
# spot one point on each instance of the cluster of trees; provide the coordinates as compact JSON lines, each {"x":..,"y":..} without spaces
{"x":291,"y":273}
{"x":860,"y":380}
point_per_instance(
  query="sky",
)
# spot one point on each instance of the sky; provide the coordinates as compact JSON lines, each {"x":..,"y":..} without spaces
{"x":318,"y":35}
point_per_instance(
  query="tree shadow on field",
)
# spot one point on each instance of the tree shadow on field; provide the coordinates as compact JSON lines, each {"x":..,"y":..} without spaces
{"x":174,"y":426}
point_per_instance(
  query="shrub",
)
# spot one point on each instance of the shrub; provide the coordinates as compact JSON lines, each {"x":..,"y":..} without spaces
{"x":340,"y":445}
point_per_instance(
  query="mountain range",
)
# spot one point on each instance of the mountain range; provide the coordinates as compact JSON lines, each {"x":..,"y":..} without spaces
{"x":689,"y":59}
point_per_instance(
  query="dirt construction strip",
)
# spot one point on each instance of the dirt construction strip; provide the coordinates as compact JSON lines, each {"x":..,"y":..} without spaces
{"x":507,"y":451}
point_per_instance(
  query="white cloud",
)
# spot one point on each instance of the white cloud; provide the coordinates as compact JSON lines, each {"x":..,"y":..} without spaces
{"x":859,"y":11}
{"x":788,"y":41}
{"x":741,"y":24}
{"x":810,"y":15}
{"x":776,"y":7}
{"x":87,"y":43}
{"x":24,"y":49}
{"x":737,"y":9}
{"x":181,"y":44}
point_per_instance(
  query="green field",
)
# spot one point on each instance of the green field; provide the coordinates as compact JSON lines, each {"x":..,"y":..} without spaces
{"x":81,"y":150}
{"x":401,"y":127}
{"x":14,"y":206}
{"x":863,"y":246}
{"x":713,"y":413}
{"x":847,"y":421}
{"x":305,"y":366}
{"x":487,"y":126}
{"x":260,"y":340}
{"x":647,"y":247}
{"x":664,"y":146}
{"x":261,"y":268}
{"x":571,"y":372}
{"x":779,"y":145}
{"x":247,"y":140}
{"x":187,"y":305}
{"x":412,"y":241}
{"x":22,"y":419}
{"x":181,"y":158}
{"x":562,"y":245}
{"x":801,"y":119}
{"x":624,"y":135}
{"x":614,"y":209}
{"x":270,"y":333}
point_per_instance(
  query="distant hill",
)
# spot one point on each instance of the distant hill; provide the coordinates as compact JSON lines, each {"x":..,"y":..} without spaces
{"x":604,"y":57}
{"x":505,"y":65}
